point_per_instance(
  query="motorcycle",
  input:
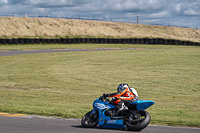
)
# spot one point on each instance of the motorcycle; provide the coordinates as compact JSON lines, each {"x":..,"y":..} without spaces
{"x":104,"y":114}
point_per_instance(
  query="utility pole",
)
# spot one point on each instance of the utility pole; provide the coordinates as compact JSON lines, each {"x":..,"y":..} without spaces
{"x":137,"y":19}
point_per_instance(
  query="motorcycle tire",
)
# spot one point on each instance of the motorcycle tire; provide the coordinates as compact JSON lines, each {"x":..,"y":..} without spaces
{"x":141,"y":124}
{"x":85,"y":122}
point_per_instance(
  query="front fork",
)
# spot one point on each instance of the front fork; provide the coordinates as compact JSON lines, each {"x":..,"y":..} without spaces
{"x":93,"y":115}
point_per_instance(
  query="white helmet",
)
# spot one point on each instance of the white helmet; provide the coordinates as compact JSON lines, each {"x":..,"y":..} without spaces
{"x":122,"y":87}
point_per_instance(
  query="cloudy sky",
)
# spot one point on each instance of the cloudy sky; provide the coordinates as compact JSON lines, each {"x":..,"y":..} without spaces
{"x":173,"y":12}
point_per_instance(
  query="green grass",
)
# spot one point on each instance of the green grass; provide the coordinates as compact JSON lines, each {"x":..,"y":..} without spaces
{"x":65,"y":84}
{"x":74,"y":46}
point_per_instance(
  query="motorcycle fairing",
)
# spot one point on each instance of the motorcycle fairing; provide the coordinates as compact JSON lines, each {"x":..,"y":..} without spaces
{"x":102,"y":105}
{"x":105,"y":121}
{"x":142,"y":104}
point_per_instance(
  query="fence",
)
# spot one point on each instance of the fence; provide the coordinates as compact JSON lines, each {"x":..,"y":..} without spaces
{"x":149,"y":41}
{"x":137,"y":20}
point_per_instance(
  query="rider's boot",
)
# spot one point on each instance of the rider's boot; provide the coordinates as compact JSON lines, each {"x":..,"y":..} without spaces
{"x":121,"y":107}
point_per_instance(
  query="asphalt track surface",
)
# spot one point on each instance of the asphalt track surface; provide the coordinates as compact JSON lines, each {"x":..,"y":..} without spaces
{"x":19,"y":52}
{"x":39,"y":124}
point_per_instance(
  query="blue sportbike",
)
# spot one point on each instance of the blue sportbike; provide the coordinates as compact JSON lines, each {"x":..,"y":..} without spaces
{"x":104,"y":115}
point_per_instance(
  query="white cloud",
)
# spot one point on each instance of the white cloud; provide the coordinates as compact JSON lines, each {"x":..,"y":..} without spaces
{"x":191,"y":12}
{"x":160,"y":14}
{"x":2,"y":2}
{"x":50,"y":3}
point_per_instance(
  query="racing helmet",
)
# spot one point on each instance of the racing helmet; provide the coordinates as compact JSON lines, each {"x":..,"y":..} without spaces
{"x":122,"y":87}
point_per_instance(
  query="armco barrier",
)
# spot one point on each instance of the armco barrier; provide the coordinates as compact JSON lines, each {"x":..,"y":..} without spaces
{"x":150,"y":41}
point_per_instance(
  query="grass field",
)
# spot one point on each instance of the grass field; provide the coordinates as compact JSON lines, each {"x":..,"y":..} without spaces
{"x":76,"y":46}
{"x":66,"y":84}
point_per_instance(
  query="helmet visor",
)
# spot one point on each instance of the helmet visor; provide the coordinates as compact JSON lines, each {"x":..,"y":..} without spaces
{"x":120,"y":88}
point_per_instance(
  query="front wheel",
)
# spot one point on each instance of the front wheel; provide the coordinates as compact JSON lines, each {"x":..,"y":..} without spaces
{"x":89,"y":121}
{"x":138,"y":121}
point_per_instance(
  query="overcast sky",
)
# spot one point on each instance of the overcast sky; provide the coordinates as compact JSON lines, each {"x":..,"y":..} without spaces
{"x":174,"y":12}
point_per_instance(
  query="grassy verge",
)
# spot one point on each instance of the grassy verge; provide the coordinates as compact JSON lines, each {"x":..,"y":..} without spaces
{"x":74,"y":46}
{"x":66,"y":84}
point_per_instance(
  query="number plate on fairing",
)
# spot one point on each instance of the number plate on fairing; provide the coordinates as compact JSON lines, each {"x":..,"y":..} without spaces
{"x":112,"y":121}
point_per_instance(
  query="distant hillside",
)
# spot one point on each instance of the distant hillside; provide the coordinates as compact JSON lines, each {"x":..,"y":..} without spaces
{"x":16,"y":27}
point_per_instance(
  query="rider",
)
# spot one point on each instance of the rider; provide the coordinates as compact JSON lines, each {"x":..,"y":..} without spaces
{"x":123,"y":96}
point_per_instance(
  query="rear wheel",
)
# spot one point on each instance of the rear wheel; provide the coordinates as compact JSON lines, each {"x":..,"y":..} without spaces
{"x":138,"y":121}
{"x":89,"y":121}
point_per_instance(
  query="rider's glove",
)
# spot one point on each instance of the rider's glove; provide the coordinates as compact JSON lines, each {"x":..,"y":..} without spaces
{"x":101,"y":98}
{"x":106,"y":95}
